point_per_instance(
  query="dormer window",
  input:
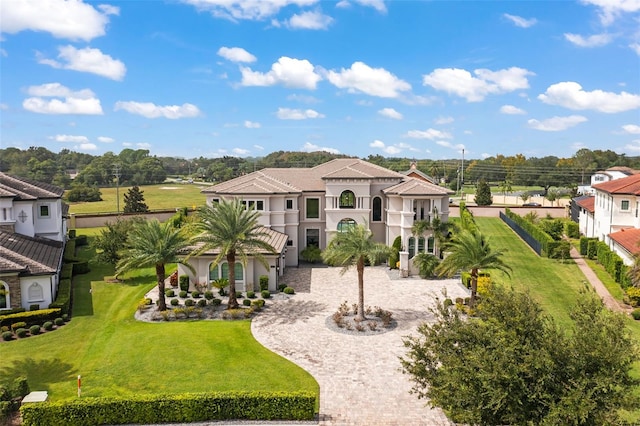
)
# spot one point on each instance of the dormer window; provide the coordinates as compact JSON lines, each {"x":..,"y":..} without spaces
{"x":347,"y":200}
{"x":43,"y":210}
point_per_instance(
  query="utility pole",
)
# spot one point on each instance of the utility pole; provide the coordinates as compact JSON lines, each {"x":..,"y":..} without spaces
{"x":116,"y":173}
{"x":462,"y":174}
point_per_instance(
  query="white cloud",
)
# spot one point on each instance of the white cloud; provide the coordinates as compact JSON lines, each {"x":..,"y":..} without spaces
{"x":446,"y":144}
{"x":245,"y":9}
{"x":305,"y":99}
{"x":310,"y":147}
{"x":390,"y":113}
{"x":361,"y":78}
{"x":3,"y":52}
{"x":460,"y":82}
{"x":511,"y":110}
{"x":236,"y":54}
{"x":87,"y":60}
{"x":595,"y":40}
{"x":310,"y":20}
{"x":431,"y":134}
{"x":364,"y":102}
{"x":297,"y":114}
{"x":73,"y":20}
{"x":521,"y":22}
{"x":556,"y":124}
{"x":635,"y":47}
{"x":343,"y":4}
{"x":376,"y":4}
{"x":570,"y":95}
{"x":633,"y":129}
{"x":635,"y":147}
{"x":251,"y":124}
{"x":485,"y":155}
{"x":74,"y":102}
{"x":87,"y":146}
{"x":4,"y":107}
{"x":612,"y":9}
{"x":378,"y":144}
{"x":143,"y":145}
{"x":69,"y":138}
{"x":443,"y":120}
{"x":289,"y":72}
{"x":240,"y":151}
{"x":151,"y":110}
{"x":105,"y":139}
{"x":259,"y":147}
{"x":127,"y":144}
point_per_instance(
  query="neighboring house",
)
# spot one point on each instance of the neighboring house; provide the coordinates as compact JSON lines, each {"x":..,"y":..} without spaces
{"x":310,"y":205}
{"x":582,"y":212}
{"x":415,"y":173}
{"x":612,"y":173}
{"x":32,"y":238}
{"x":625,"y":244}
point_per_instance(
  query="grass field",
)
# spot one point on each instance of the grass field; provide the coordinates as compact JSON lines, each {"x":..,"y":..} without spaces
{"x":119,"y":356}
{"x":157,"y":197}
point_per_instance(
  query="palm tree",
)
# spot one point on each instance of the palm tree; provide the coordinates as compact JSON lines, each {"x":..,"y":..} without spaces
{"x":470,"y":250}
{"x":152,"y":243}
{"x":351,"y":248}
{"x":235,"y":231}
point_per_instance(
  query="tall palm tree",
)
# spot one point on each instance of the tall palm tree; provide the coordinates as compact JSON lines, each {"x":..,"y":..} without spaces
{"x":156,"y":244}
{"x":470,"y":250}
{"x":351,"y":248}
{"x":235,"y":231}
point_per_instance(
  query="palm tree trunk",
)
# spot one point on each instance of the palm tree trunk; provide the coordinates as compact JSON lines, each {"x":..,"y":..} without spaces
{"x":360,"y":267}
{"x":231,"y":261}
{"x":474,"y":287}
{"x":160,"y":275}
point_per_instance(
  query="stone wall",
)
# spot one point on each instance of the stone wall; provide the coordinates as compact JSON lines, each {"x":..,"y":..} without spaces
{"x":15,"y":293}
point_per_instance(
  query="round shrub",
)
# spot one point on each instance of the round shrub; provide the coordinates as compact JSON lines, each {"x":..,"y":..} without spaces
{"x":239,"y":295}
{"x":22,"y":332}
{"x":288,"y":290}
{"x":246,"y":302}
{"x":636,"y":314}
{"x":174,"y":302}
{"x":251,"y":294}
{"x":281,"y":287}
{"x":208,"y":295}
{"x":202,"y":303}
{"x":447,"y":302}
{"x":148,"y":301}
{"x":17,"y":325}
{"x":216,"y":301}
{"x":265,"y":294}
{"x":58,"y":321}
{"x":169,"y":292}
{"x":195,"y":294}
{"x":7,"y":335}
{"x":259,"y":303}
{"x":189,"y":302}
{"x":48,"y":326}
{"x":65,"y":317}
{"x":34,"y":329}
{"x":183,"y":293}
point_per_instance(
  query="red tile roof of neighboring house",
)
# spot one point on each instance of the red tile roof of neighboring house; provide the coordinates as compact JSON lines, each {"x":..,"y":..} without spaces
{"x":587,"y":203}
{"x":627,"y":238}
{"x":629,"y":185}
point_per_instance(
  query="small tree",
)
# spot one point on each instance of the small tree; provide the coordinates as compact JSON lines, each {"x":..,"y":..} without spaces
{"x":525,"y":196}
{"x":134,"y":201}
{"x":111,"y":240}
{"x":483,"y":194}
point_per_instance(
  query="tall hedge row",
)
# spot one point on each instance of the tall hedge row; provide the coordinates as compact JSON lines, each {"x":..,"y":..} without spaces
{"x":181,"y":408}
{"x":613,"y":264}
{"x":63,"y":299}
{"x":467,"y":221}
{"x":584,"y":245}
{"x":546,"y":242}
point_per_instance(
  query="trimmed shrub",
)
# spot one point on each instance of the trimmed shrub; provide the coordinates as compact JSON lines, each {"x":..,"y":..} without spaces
{"x":592,"y":248}
{"x":533,"y":230}
{"x":572,"y":229}
{"x":195,"y":294}
{"x":264,"y":282}
{"x":636,"y":314}
{"x":69,"y":254}
{"x":22,"y":332}
{"x":72,"y":233}
{"x":246,"y":302}
{"x":189,"y":302}
{"x":20,"y":387}
{"x":259,"y":303}
{"x":394,"y":257}
{"x":58,"y":322}
{"x":17,"y":325}
{"x":34,"y":330}
{"x":81,"y":267}
{"x":265,"y":294}
{"x":288,"y":290}
{"x":7,"y":335}
{"x":311,"y":254}
{"x":447,"y":302}
{"x":67,"y":271}
{"x":208,"y":295}
{"x":65,"y":317}
{"x":251,"y":294}
{"x":216,"y":301}
{"x":239,"y":295}
{"x":183,"y":293}
{"x":174,"y":302}
{"x":48,"y":325}
{"x":169,"y":292}
{"x":281,"y":287}
{"x":184,"y":282}
{"x":29,"y":317}
{"x":81,"y":240}
{"x":34,"y":307}
{"x":63,"y":299}
{"x":202,"y":303}
{"x":560,"y":250}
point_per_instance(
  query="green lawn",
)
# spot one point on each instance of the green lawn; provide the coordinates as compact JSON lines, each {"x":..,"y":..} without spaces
{"x":157,"y":197}
{"x":119,"y":356}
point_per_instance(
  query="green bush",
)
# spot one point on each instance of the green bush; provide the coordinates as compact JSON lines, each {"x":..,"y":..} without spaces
{"x":633,"y":294}
{"x":34,"y":307}
{"x":183,"y":293}
{"x":311,"y":254}
{"x":447,"y":302}
{"x":592,"y":248}
{"x":216,"y":302}
{"x":19,"y":387}
{"x":169,"y":292}
{"x":30,"y":317}
{"x":189,"y":302}
{"x":281,"y":287}
{"x":251,"y":294}
{"x":572,"y":229}
{"x":81,"y":267}
{"x":17,"y":325}
{"x":65,"y":317}
{"x":34,"y":330}
{"x":246,"y":302}
{"x":181,"y":408}
{"x":560,"y":250}
{"x":636,"y":314}
{"x":394,"y":257}
{"x":82,"y":192}
{"x":81,"y":240}
{"x":208,"y":295}
{"x":184,"y":282}
{"x":63,"y":299}
{"x":288,"y":290}
{"x":239,"y":295}
{"x":72,"y":233}
{"x":58,"y":322}
{"x":553,"y":227}
{"x":48,"y":325}
{"x":7,"y":335}
{"x":264,"y":282}
{"x":22,"y":332}
{"x":195,"y":294}
{"x":69,"y":254}
{"x":265,"y":294}
{"x":258,"y":303}
{"x":67,"y":271}
{"x":202,"y":303}
{"x":174,"y":302}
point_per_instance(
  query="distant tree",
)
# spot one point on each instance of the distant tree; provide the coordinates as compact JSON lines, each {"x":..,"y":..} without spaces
{"x":552,"y":195}
{"x":524,"y":196}
{"x":483,"y":194}
{"x":84,"y":193}
{"x":134,"y":201}
{"x":513,"y":366}
{"x":505,"y":187}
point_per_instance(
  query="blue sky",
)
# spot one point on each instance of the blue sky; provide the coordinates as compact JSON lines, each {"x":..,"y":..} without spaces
{"x":423,"y":79}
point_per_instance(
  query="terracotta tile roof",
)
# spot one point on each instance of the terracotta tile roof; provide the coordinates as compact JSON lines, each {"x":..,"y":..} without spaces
{"x":627,"y":238}
{"x":33,"y":255}
{"x":588,"y":203}
{"x":26,"y":189}
{"x":353,"y":168}
{"x":278,"y":241}
{"x":415,"y":186}
{"x":415,"y":173}
{"x":628,"y":185}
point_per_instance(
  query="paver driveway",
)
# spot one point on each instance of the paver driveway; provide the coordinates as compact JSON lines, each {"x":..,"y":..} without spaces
{"x":359,"y":376}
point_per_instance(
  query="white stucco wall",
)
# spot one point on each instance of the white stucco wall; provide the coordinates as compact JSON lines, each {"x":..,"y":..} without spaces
{"x":46,"y":296}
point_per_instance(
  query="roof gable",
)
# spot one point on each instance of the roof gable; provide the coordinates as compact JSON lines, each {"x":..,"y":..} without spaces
{"x":415,"y":186}
{"x":33,"y":255}
{"x":627,"y":238}
{"x":587,"y":202}
{"x":27,"y":189}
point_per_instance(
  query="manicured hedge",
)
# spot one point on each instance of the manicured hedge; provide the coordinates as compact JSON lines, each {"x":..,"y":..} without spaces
{"x":80,"y":267}
{"x":30,"y":317}
{"x":81,"y":240}
{"x":182,"y":408}
{"x":613,"y":264}
{"x":70,"y":251}
{"x":63,"y":299}
{"x":466,"y":217}
{"x":572,"y":229}
{"x":67,"y":271}
{"x":584,"y":245}
{"x":535,"y":232}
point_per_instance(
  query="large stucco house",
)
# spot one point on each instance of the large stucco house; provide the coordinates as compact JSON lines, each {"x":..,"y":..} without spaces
{"x":307,"y":206}
{"x":32,"y":237}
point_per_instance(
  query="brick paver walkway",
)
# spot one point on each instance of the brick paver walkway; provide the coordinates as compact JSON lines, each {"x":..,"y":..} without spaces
{"x":359,"y":376}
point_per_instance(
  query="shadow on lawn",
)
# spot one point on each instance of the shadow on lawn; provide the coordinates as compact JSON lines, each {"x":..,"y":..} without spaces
{"x":42,"y":373}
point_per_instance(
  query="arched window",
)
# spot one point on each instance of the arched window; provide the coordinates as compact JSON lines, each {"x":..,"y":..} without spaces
{"x":431,"y":243}
{"x":412,"y":247}
{"x":377,"y":209}
{"x":5,"y":303}
{"x":347,"y":200}
{"x":421,"y":245}
{"x":345,"y":224}
{"x":35,"y":292}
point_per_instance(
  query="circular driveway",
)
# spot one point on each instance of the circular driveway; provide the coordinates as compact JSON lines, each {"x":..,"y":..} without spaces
{"x":359,"y":376}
